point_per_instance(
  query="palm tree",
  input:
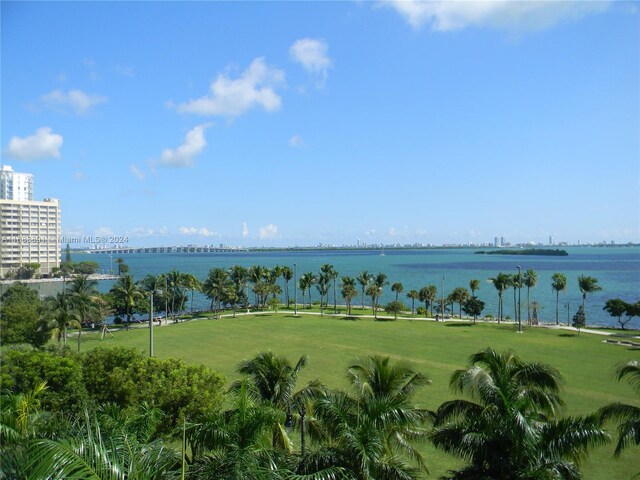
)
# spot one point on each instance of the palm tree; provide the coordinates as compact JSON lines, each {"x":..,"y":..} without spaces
{"x":364,"y":278}
{"x":587,"y":285}
{"x":373,"y":292}
{"x":256,"y":275}
{"x":511,"y":427}
{"x":473,"y":286}
{"x":62,"y":314}
{"x":91,"y":452}
{"x":372,"y":431}
{"x":348,"y":291}
{"x":190,"y":282}
{"x":323,"y":289}
{"x":380,"y":280}
{"x":397,"y":288}
{"x":84,"y":299}
{"x":214,"y":286}
{"x":237,"y":444}
{"x":239,"y":275}
{"x":530,"y":280}
{"x":428,"y":295}
{"x":413,"y":295}
{"x":516,"y":283}
{"x":127,"y":295}
{"x":501,"y":282}
{"x":287,"y":275}
{"x":558,"y":284}
{"x":459,"y":296}
{"x":332,"y":275}
{"x":627,"y":415}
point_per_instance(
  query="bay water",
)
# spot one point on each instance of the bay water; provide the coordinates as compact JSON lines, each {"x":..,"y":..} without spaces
{"x":617,"y":270}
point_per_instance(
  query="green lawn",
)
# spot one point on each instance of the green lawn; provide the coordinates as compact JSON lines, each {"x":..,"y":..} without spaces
{"x":436,"y":349}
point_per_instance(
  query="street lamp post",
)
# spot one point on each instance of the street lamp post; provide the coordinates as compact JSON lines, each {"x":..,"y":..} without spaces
{"x":519,"y":312}
{"x":295,"y":290}
{"x":442,"y":304}
{"x":151,"y":326}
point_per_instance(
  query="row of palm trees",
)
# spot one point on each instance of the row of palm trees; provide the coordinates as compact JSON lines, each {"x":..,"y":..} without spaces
{"x":506,"y":424}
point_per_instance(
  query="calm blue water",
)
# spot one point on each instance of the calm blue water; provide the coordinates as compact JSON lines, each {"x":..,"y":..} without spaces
{"x":617,"y":270}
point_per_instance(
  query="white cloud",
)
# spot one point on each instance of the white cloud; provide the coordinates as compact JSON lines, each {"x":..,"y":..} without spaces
{"x":245,"y":230}
{"x":139,"y":174}
{"x":269,"y":231}
{"x":497,"y":14}
{"x":124,"y":70}
{"x":312,"y":54}
{"x":194,"y":143}
{"x":79,"y":176}
{"x":163,"y":231}
{"x":103,"y":232}
{"x":142,"y":232}
{"x":255,"y":87}
{"x":296,"y":141}
{"x":392,"y":232}
{"x":76,"y":100}
{"x":42,"y":144}
{"x":204,"y":232}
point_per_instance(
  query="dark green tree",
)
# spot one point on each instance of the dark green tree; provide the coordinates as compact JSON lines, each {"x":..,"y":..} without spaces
{"x":22,"y":318}
{"x":473,"y":306}
{"x":558,"y":284}
{"x":511,"y":427}
{"x":579,"y":319}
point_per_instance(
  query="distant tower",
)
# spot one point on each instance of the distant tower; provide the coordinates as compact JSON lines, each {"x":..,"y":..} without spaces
{"x":495,"y":242}
{"x":502,"y":241}
{"x":15,"y":186}
{"x":550,"y":240}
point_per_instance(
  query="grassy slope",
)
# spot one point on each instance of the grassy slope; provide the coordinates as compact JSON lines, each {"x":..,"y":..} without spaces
{"x":435,"y":349}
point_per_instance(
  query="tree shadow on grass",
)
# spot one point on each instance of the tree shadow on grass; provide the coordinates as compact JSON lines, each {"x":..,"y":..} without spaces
{"x":350,"y":319}
{"x":570,"y":335}
{"x":459,"y":324}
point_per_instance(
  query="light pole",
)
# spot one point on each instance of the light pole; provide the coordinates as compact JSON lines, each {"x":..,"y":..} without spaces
{"x":295,"y":290}
{"x":151,"y":326}
{"x":567,"y":313}
{"x":519,"y":312}
{"x":442,"y":304}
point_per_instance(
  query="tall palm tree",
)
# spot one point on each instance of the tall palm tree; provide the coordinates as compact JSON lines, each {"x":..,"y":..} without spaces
{"x":364,"y":278}
{"x":516,"y":283}
{"x":191,"y":283}
{"x":127,"y":294}
{"x":274,"y":380}
{"x":62,"y":314}
{"x":627,"y":415}
{"x":501,"y":282}
{"x":332,"y":275}
{"x":239,"y":275}
{"x":84,"y":299}
{"x":428,"y":295}
{"x":380,"y":280}
{"x":397,"y":288}
{"x":459,"y":296}
{"x":323,"y":288}
{"x":373,"y":292}
{"x":413,"y":295}
{"x":558,"y":284}
{"x":474,"y":285}
{"x":214,"y":287}
{"x":587,"y":285}
{"x":348,"y":291}
{"x":237,"y":444}
{"x":175,"y":285}
{"x":372,"y":430}
{"x":510,"y":428}
{"x":287,"y":275}
{"x":530,"y":280}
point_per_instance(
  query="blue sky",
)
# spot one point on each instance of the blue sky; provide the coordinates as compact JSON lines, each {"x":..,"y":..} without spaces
{"x":282,"y":123}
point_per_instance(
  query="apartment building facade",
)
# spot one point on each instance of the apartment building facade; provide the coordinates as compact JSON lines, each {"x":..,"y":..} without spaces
{"x":29,"y":230}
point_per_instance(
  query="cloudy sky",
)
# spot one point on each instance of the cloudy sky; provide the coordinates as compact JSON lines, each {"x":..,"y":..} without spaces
{"x":298,"y":123}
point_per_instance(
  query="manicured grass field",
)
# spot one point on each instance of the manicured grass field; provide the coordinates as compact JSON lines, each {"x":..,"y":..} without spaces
{"x":435,"y":349}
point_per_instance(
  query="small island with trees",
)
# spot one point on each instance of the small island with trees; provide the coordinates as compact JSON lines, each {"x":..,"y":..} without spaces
{"x":527,"y":251}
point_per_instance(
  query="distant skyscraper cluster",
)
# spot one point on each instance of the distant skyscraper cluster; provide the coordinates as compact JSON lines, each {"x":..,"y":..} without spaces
{"x":29,"y":230}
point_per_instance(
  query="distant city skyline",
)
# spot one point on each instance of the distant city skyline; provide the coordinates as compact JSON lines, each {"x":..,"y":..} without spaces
{"x":283,"y":124}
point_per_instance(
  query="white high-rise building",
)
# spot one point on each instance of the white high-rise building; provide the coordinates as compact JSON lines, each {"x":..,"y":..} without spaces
{"x":14,"y":185}
{"x":29,"y":230}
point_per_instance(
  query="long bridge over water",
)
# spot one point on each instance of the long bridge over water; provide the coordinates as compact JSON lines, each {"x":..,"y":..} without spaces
{"x":187,"y":249}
